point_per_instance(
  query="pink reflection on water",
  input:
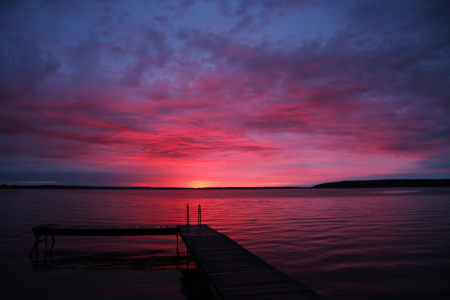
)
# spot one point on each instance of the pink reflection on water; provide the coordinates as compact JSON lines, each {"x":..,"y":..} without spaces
{"x":376,"y":242}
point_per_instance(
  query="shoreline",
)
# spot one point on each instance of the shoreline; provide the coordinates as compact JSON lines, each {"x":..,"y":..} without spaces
{"x":382,"y":183}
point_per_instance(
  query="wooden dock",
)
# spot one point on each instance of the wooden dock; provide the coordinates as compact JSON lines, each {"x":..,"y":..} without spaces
{"x":97,"y":230}
{"x":231,"y":271}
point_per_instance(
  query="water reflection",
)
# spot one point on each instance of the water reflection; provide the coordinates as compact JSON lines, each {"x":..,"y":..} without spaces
{"x":150,"y":274}
{"x":194,"y":286}
{"x":344,"y":244}
{"x":122,"y":261}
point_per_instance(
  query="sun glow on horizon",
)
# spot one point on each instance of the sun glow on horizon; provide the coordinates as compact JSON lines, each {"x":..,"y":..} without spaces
{"x":200,"y":184}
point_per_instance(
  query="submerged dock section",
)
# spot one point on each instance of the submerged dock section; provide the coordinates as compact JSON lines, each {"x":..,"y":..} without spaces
{"x":233,"y":272}
{"x":53,"y":230}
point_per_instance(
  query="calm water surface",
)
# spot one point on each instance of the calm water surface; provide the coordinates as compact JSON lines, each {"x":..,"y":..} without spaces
{"x":342,"y":243}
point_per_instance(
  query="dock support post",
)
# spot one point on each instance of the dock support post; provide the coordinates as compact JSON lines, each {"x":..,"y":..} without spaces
{"x":187,"y":258}
{"x":177,"y":244}
{"x":53,"y":243}
{"x":199,"y":215}
{"x":35,"y":245}
{"x":188,"y":215}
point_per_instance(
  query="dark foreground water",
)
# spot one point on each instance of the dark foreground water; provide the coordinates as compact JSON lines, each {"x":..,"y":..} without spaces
{"x":343,"y":243}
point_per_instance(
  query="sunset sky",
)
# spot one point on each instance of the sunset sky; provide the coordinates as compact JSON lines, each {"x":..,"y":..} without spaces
{"x":223,"y":93}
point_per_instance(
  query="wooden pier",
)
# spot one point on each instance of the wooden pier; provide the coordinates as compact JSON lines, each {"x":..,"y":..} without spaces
{"x":52,"y":230}
{"x":231,"y":271}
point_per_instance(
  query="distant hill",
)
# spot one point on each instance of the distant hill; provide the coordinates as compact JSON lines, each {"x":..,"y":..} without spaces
{"x":386,"y":183}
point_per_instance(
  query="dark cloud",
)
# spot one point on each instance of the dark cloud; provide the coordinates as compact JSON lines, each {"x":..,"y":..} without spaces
{"x":279,"y":7}
{"x":244,"y":23}
{"x":185,"y":4}
{"x":85,"y":60}
{"x":152,"y":52}
{"x":32,"y":176}
{"x":23,"y":66}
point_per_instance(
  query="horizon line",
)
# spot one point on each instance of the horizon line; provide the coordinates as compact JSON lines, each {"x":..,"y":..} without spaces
{"x":335,"y":184}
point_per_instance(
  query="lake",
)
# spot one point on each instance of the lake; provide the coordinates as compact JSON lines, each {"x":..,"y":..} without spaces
{"x":342,"y":243}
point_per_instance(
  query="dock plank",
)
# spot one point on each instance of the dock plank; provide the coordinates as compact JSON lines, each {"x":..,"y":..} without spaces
{"x":235,"y":273}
